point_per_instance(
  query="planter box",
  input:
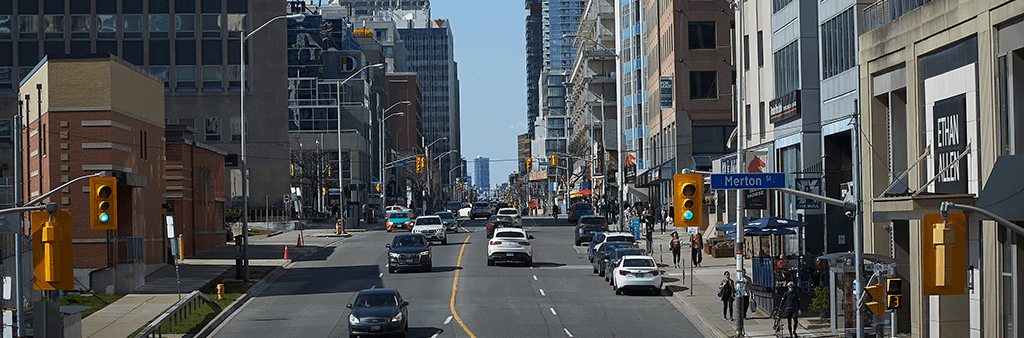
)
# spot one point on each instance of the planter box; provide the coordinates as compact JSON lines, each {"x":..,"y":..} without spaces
{"x":726,"y":252}
{"x":707,"y":249}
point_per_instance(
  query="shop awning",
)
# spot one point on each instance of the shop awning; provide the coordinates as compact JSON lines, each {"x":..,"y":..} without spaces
{"x":1003,"y":194}
{"x":584,"y":192}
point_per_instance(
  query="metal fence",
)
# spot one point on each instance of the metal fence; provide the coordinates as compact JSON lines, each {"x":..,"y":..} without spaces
{"x":130,"y":250}
{"x":177,"y":314}
{"x":885,"y":11}
{"x":264,"y":215}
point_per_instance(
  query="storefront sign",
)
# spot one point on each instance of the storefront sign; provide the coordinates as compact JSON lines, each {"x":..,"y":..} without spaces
{"x":950,"y":135}
{"x":756,"y":199}
{"x":785,"y":107}
{"x":809,"y":185}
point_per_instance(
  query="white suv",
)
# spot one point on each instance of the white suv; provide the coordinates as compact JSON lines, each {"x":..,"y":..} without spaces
{"x":432,"y":228}
{"x":510,"y":244}
{"x":636,"y":272}
{"x":517,"y":220}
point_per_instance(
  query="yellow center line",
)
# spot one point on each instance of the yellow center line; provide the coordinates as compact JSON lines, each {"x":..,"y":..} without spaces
{"x":455,"y":286}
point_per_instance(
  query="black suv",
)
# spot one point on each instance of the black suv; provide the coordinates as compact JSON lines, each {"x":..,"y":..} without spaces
{"x":378,"y":311}
{"x":587,"y":227}
{"x":409,"y":251}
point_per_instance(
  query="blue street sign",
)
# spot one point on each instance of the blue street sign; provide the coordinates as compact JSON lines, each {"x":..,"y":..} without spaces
{"x":747,"y":181}
{"x":544,"y":163}
{"x":401,"y":164}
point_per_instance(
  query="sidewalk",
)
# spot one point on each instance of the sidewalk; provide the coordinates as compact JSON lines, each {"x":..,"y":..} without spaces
{"x":704,"y":302}
{"x":161,"y":291}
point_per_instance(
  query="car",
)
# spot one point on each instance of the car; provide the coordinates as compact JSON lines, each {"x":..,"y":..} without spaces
{"x":453,"y":206}
{"x":464,"y":211}
{"x":587,"y":227}
{"x":497,"y":222}
{"x":396,"y":208}
{"x":449,"y":221}
{"x":480,"y":209}
{"x":636,"y":272}
{"x":378,"y":312}
{"x":579,"y":210}
{"x":399,"y":220}
{"x":410,"y":250}
{"x":496,"y":206}
{"x":512,"y":212}
{"x":617,"y":255}
{"x":603,"y":255}
{"x":508,"y":245}
{"x":608,"y":237}
{"x":432,"y":228}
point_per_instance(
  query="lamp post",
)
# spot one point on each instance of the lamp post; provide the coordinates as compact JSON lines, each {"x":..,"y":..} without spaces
{"x":450,"y":178}
{"x":245,"y":173}
{"x":618,"y":132}
{"x":383,"y":156}
{"x":337,"y":97}
{"x":426,"y":153}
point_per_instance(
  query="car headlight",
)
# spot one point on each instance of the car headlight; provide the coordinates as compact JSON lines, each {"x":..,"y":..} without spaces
{"x":425,"y":253}
{"x":352,"y":319}
{"x":397,"y":318}
{"x":394,"y":255}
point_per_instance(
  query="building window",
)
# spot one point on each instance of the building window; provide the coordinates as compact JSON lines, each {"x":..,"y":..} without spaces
{"x":236,"y":22}
{"x":132,"y":23}
{"x":6,"y":79}
{"x":704,"y":85}
{"x":702,"y":34}
{"x":666,"y":92}
{"x":746,"y":52}
{"x":236,"y":129}
{"x":53,"y":24}
{"x":211,"y":25}
{"x":760,"y":49}
{"x":159,"y":23}
{"x":787,"y":72}
{"x":212,"y":76}
{"x":81,"y":25}
{"x":747,"y":124}
{"x":28,"y":24}
{"x":163,"y":72}
{"x":106,"y":23}
{"x":213,"y":129}
{"x":186,"y":78}
{"x":5,"y":26}
{"x":762,"y":118}
{"x":837,"y":44}
{"x":185,"y":25}
{"x":185,"y":52}
{"x":380,"y":34}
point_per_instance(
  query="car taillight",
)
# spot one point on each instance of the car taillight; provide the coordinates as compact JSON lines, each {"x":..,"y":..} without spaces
{"x":495,"y":242}
{"x":580,"y":226}
{"x":524,"y":243}
{"x":490,"y":225}
{"x":623,"y":272}
{"x":655,"y":272}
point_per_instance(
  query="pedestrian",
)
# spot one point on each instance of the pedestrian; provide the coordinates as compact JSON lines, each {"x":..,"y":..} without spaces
{"x":726,"y":290}
{"x":696,"y":245}
{"x":675,"y":245}
{"x":791,"y":307}
{"x":743,"y":291}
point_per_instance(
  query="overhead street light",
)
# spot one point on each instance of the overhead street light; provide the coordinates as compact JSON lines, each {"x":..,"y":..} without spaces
{"x":383,"y":155}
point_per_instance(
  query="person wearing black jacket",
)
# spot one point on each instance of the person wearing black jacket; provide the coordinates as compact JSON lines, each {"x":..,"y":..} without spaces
{"x":727,"y":291}
{"x":791,"y":307}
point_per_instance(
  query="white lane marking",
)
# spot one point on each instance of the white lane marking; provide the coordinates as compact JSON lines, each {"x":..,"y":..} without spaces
{"x":449,"y":320}
{"x":439,"y":332}
{"x":380,"y":275}
{"x":553,"y":311}
{"x":567,"y":332}
{"x":542,"y":293}
{"x":534,"y":277}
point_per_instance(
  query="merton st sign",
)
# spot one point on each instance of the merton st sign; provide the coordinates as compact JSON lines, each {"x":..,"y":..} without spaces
{"x":748,"y":181}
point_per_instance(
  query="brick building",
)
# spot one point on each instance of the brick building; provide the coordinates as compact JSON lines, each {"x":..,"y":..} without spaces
{"x":194,"y":170}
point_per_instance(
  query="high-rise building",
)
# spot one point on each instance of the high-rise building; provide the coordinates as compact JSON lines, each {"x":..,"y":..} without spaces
{"x":482,"y":172}
{"x":534,"y":60}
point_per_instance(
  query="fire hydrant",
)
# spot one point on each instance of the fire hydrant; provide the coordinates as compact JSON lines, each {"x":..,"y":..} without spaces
{"x":220,"y":291}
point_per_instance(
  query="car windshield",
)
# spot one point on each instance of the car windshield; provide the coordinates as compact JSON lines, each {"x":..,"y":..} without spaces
{"x":445,"y":215}
{"x":376,"y":301}
{"x":454,"y":205}
{"x":510,"y":234}
{"x":626,"y":252}
{"x":620,"y":239}
{"x":638,"y":263}
{"x":501,"y":219}
{"x":405,"y":241}
{"x":609,"y":247}
{"x":399,"y":215}
{"x":582,"y":206}
{"x":428,"y":220}
{"x":481,"y":205}
{"x":506,"y":212}
{"x":592,"y":221}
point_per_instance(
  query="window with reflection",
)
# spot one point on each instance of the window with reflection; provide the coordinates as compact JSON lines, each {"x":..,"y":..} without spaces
{"x":236,"y":22}
{"x":159,"y":23}
{"x":107,"y":23}
{"x":28,"y":24}
{"x":80,"y":23}
{"x":53,"y":23}
{"x":132,"y":22}
{"x":5,"y":24}
{"x":185,"y":22}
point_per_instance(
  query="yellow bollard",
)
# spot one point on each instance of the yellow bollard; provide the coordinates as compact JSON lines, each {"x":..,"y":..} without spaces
{"x":220,"y":291}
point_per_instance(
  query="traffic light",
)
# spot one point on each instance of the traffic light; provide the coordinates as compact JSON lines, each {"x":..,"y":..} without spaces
{"x":420,"y":164}
{"x":876,"y":306}
{"x":688,"y":197}
{"x":893,"y":292}
{"x":944,"y":251}
{"x":529,"y":164}
{"x":462,"y":186}
{"x":103,"y":203}
{"x":293,"y":170}
{"x":53,"y":258}
{"x":378,"y":187}
{"x":554,"y":160}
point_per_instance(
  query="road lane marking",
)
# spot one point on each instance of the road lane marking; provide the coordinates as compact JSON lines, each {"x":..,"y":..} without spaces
{"x":380,"y":275}
{"x":436,"y":333}
{"x":455,"y":286}
{"x":567,"y":332}
{"x":534,"y":277}
{"x":449,"y":320}
{"x":542,"y":293}
{"x":553,"y":311}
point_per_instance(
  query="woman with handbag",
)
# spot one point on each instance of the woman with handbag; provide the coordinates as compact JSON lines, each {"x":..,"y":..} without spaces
{"x":726,"y":291}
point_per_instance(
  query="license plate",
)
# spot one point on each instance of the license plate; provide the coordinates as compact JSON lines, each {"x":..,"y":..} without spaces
{"x":509,"y":254}
{"x":375,"y":328}
{"x":407,"y":261}
{"x":639,"y":275}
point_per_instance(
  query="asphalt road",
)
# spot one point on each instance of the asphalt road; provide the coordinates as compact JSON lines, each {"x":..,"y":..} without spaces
{"x":559,"y":296}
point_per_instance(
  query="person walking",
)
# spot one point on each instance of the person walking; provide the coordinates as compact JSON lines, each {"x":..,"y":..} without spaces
{"x":726,"y":291}
{"x":743,"y":291}
{"x":791,"y":307}
{"x":675,"y":245}
{"x":696,"y":245}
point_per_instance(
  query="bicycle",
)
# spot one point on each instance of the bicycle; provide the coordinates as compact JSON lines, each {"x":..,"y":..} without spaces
{"x":777,"y":316}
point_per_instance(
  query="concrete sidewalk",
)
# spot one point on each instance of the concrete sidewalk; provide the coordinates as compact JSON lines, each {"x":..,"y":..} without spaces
{"x":163,"y":286}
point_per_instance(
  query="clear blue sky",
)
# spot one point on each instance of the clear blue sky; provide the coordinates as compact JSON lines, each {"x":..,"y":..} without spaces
{"x":490,"y":47}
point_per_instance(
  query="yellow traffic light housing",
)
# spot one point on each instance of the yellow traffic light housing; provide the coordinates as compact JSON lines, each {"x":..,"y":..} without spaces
{"x":103,"y":203}
{"x":875,"y":291}
{"x":944,"y":251}
{"x":688,"y":197}
{"x":894,"y":286}
{"x":420,"y":164}
{"x":53,"y":256}
{"x":554,"y":160}
{"x":877,"y":308}
{"x":892,"y":302}
{"x":529,"y":164}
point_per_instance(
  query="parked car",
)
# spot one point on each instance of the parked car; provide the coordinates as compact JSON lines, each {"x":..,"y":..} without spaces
{"x":449,"y":221}
{"x":512,"y":212}
{"x":432,"y":228}
{"x":510,"y":244}
{"x":398,"y":220}
{"x":453,"y":206}
{"x":617,"y":255}
{"x":587,"y":227}
{"x":608,"y":237}
{"x":409,"y":251}
{"x":378,"y":312}
{"x":636,"y":272}
{"x":602,"y":256}
{"x":579,"y":210}
{"x":498,"y":221}
{"x":480,"y":209}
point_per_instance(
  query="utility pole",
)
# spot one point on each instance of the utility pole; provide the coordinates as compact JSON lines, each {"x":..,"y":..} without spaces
{"x":740,"y":216}
{"x":858,"y":222}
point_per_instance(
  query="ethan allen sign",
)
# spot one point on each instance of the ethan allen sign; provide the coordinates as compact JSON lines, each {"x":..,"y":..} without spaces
{"x":785,"y":107}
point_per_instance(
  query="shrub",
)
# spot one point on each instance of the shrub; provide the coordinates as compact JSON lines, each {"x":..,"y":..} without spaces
{"x":820,"y":303}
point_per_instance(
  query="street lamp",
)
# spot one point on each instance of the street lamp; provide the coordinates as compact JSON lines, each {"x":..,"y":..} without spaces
{"x":450,"y":177}
{"x":383,"y":156}
{"x":245,"y":173}
{"x":426,"y":153}
{"x":337,"y":97}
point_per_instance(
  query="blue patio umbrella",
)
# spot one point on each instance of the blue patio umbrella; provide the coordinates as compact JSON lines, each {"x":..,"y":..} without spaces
{"x":731,"y":226}
{"x":773,"y":222}
{"x":760,"y":232}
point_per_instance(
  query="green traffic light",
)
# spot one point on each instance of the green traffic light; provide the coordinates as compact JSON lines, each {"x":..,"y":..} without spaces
{"x":688,"y":214}
{"x":104,"y":217}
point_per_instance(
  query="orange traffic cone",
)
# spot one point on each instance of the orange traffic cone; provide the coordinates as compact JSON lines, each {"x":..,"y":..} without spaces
{"x":299,"y":244}
{"x":286,"y":252}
